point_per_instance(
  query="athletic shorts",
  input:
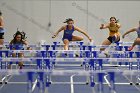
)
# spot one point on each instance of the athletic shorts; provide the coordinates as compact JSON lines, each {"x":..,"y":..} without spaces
{"x":113,"y":39}
{"x":1,"y":35}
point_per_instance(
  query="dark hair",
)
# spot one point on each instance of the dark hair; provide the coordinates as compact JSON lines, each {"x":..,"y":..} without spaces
{"x":23,"y":36}
{"x":69,"y":19}
{"x":0,"y":13}
{"x":117,"y":20}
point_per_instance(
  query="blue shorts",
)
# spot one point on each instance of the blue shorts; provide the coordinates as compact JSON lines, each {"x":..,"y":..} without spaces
{"x":67,"y":37}
{"x":2,"y":30}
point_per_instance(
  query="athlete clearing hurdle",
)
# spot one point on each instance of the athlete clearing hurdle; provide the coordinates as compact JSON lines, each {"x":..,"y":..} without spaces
{"x":137,"y":40}
{"x":68,"y":33}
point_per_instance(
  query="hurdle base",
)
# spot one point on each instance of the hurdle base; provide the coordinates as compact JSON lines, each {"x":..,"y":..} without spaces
{"x":3,"y":82}
{"x":131,"y":83}
{"x":87,"y":83}
{"x":137,"y":83}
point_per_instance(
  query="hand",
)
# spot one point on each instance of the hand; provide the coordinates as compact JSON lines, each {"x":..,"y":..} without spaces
{"x":102,"y":25}
{"x":91,"y":42}
{"x":53,"y":36}
{"x":29,"y":48}
{"x":90,"y":39}
{"x":1,"y":27}
{"x":123,"y":36}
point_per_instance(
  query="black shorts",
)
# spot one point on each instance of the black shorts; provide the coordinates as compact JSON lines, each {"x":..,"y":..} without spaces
{"x":112,"y":39}
{"x":1,"y":35}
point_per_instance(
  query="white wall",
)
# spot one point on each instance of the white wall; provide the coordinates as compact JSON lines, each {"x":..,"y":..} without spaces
{"x":33,"y":16}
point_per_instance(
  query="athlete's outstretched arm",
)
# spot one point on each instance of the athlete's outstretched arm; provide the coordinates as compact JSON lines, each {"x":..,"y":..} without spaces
{"x":83,"y":32}
{"x":129,"y":31}
{"x":27,"y":45}
{"x":1,"y":22}
{"x":104,"y":26}
{"x":61,"y":29}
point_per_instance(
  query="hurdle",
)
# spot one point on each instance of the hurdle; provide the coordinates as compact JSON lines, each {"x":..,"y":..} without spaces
{"x":116,"y":54}
{"x":94,"y":67}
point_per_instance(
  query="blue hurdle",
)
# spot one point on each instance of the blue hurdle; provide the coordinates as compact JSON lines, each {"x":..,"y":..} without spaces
{"x":45,"y":59}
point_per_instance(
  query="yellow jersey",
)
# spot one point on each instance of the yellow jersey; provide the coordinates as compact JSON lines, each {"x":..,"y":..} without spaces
{"x":114,"y":30}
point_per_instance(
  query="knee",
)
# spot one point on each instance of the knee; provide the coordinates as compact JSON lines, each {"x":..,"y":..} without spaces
{"x":20,"y":54}
{"x":20,"y":63}
{"x":66,"y":42}
{"x":102,"y":49}
{"x":14,"y":55}
{"x":137,"y":41}
{"x":81,"y":38}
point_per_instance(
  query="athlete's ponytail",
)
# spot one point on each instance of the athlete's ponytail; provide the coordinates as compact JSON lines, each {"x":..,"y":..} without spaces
{"x":67,"y":20}
{"x":0,"y":13}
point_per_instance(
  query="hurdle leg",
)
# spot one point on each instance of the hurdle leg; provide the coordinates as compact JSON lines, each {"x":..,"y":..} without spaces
{"x":112,"y":82}
{"x":5,"y":78}
{"x":130,"y":65}
{"x":48,"y":80}
{"x":86,"y":65}
{"x":100,"y":80}
{"x":0,"y":75}
{"x":47,"y":62}
{"x":39,"y":64}
{"x":30,"y":81}
{"x":87,"y":80}
{"x":138,"y":79}
{"x":138,"y":65}
{"x":91,"y":63}
{"x":100,"y":64}
{"x":1,"y":65}
{"x":0,"y":79}
{"x":92,"y":83}
{"x":131,"y":79}
{"x":41,"y":82}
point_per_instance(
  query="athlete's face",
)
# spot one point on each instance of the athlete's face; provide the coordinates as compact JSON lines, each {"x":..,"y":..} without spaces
{"x":18,"y":38}
{"x":112,"y":21}
{"x":70,"y":23}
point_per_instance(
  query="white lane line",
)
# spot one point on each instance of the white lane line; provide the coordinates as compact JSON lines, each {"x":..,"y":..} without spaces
{"x":4,"y":78}
{"x":7,"y":81}
{"x":105,"y":77}
{"x":72,"y":83}
{"x":131,"y":81}
{"x":138,"y":78}
{"x":34,"y":85}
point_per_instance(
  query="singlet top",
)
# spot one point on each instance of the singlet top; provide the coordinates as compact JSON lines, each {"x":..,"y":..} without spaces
{"x":68,"y":33}
{"x":113,"y":30}
{"x":138,"y":32}
{"x":18,"y":45}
